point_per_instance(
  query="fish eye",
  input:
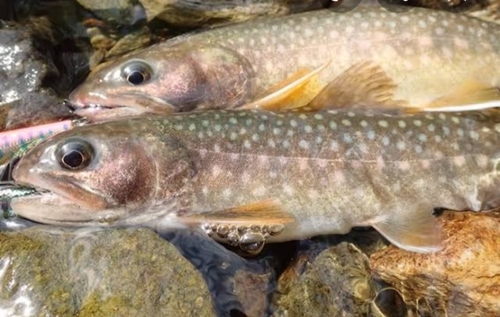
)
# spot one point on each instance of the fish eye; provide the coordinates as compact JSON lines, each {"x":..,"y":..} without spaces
{"x":136,"y":72}
{"x":75,"y":154}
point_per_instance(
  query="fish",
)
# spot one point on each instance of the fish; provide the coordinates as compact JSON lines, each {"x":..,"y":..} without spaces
{"x":251,"y":177}
{"x":421,"y":59}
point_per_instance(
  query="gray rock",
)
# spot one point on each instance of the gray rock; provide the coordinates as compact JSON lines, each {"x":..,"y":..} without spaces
{"x":116,"y":272}
{"x":24,"y":72}
{"x":199,"y":13}
{"x":124,"y":12}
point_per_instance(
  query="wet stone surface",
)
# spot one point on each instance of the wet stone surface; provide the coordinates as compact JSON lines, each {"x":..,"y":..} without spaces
{"x":123,"y":272}
{"x":461,"y":280}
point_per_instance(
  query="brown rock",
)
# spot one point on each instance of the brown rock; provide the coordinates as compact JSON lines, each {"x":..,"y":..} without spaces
{"x":461,"y":280}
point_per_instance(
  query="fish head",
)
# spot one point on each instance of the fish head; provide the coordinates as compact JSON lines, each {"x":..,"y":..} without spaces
{"x":101,"y":175}
{"x":177,"y":78}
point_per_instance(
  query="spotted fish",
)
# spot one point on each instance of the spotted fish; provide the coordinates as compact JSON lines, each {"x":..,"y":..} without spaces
{"x":421,"y":59}
{"x":248,"y":176}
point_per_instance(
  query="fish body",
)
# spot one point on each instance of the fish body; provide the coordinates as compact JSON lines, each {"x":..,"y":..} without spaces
{"x":432,"y":57}
{"x":327,"y":171}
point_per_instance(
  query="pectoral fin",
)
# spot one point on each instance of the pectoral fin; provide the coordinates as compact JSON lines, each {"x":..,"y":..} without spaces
{"x":294,"y":92}
{"x":364,"y":85}
{"x":412,"y":230}
{"x":472,"y":95}
{"x":246,"y":227}
{"x":260,"y":213}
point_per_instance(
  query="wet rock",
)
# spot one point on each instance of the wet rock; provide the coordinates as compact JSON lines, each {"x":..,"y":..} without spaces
{"x":461,"y":280}
{"x":25,"y":69}
{"x":190,"y":13}
{"x":251,"y":288}
{"x":122,"y":272}
{"x":124,"y":12}
{"x":336,"y":282}
{"x":130,"y":42}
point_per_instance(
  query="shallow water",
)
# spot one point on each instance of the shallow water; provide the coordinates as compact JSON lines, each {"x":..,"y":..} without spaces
{"x":324,"y":276}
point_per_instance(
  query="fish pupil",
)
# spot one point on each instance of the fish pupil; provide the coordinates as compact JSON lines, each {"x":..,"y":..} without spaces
{"x":136,"y":78}
{"x":73,"y":159}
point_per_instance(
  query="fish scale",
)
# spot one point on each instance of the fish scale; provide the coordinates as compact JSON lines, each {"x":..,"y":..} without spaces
{"x":328,"y":170}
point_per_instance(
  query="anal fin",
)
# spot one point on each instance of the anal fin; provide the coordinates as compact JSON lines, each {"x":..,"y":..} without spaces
{"x":415,"y":230}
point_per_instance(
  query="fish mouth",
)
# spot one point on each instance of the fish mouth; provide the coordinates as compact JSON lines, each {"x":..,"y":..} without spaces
{"x":127,"y":105}
{"x":48,"y":207}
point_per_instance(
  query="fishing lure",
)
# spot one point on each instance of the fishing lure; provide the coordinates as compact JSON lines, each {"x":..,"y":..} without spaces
{"x":9,"y":191}
{"x":15,"y":143}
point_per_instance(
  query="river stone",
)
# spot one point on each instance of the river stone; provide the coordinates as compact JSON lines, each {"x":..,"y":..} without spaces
{"x":115,"y":272}
{"x":461,"y":280}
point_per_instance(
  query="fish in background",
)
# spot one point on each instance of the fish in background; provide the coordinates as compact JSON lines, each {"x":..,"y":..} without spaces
{"x":250,"y":177}
{"x":422,"y":59}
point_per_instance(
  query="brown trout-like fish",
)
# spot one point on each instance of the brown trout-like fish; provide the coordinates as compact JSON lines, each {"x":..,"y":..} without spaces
{"x":251,"y":175}
{"x":422,"y":58}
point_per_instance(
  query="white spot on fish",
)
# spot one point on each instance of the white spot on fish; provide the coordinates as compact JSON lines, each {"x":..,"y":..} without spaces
{"x":455,"y":120}
{"x":233,"y":120}
{"x":318,"y":116}
{"x":243,"y":131}
{"x":262,"y":127}
{"x":497,"y":127}
{"x":425,"y":163}
{"x":308,"y":128}
{"x":485,"y":129}
{"x":338,"y":177}
{"x":276,"y":131}
{"x":383,"y":123}
{"x":286,"y":144}
{"x":304,"y":144}
{"x":474,"y":135}
{"x":227,"y":193}
{"x":247,"y":144}
{"x":255,"y":137}
{"x":418,"y":123}
{"x":385,"y":141}
{"x":232,"y":136}
{"x":351,"y":114}
{"x":271,"y":143}
{"x":459,"y":160}
{"x":438,"y":138}
{"x":401,"y":145}
{"x":216,"y":148}
{"x":363,"y":123}
{"x":334,"y":146}
{"x":288,"y":190}
{"x":259,"y":191}
{"x":205,"y":123}
{"x":380,"y":163}
{"x":217,"y":127}
{"x":371,"y":135}
{"x":404,"y":165}
{"x":347,"y":138}
{"x":482,"y":160}
{"x":402,"y":124}
{"x":178,"y":127}
{"x":418,"y":149}
{"x":293,"y":123}
{"x":216,"y":170}
{"x":431,"y":128}
{"x":333,"y":125}
{"x":422,"y":137}
{"x":346,"y":122}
